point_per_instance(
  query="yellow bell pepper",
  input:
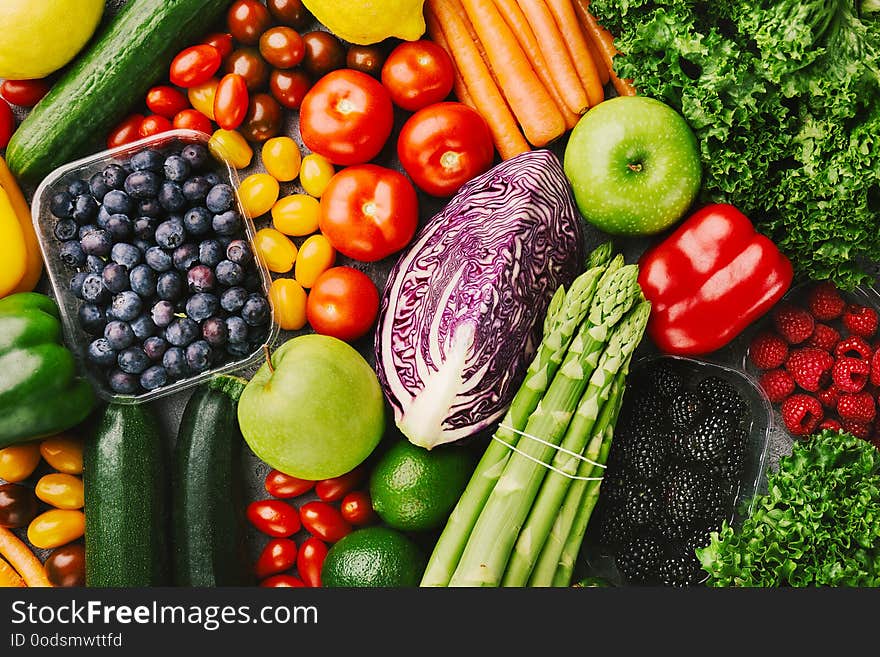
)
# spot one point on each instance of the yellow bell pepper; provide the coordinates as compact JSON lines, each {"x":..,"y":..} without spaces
{"x":12,"y":249}
{"x":33,"y":268}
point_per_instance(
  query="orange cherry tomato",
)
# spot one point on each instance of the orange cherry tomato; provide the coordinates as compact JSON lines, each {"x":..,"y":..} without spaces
{"x":231,"y":101}
{"x":166,"y":101}
{"x":127,"y":131}
{"x":153,"y":125}
{"x":194,"y":65}
{"x":191,"y":119}
{"x":343,"y":303}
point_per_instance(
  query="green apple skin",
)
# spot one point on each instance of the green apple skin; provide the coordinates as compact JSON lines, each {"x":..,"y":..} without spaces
{"x":319,"y":414}
{"x":634,"y":165}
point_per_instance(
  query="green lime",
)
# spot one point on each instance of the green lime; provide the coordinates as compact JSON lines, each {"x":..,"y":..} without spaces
{"x":414,"y":489}
{"x":373,"y":557}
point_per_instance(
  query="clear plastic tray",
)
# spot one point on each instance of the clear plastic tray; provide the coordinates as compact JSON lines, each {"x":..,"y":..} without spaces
{"x":59,"y":273}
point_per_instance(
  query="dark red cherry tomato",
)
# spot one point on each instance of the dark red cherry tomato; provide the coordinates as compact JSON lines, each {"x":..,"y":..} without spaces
{"x":247,"y":20}
{"x":195,"y":65}
{"x":231,"y":101}
{"x":222,"y":41}
{"x":153,"y":125}
{"x":18,"y":506}
{"x":357,"y":508}
{"x":290,"y":87}
{"x":250,"y":65}
{"x":7,"y":123}
{"x":24,"y":93}
{"x":324,"y":521}
{"x":274,"y":518}
{"x":127,"y":131}
{"x":282,"y":47}
{"x":283,"y":485}
{"x":166,"y":101}
{"x":289,"y":12}
{"x":278,"y":555}
{"x":310,"y":560}
{"x":263,"y":118}
{"x":66,"y":566}
{"x":282,"y":581}
{"x":191,"y":119}
{"x":366,"y":59}
{"x":332,"y":490}
{"x":323,"y":53}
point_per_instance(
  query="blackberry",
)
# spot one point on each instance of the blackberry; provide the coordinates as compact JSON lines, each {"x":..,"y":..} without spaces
{"x":698,"y":537}
{"x":613,"y":528}
{"x":644,"y":410}
{"x":708,"y":441}
{"x":685,"y":410}
{"x":615,"y":483}
{"x":646,"y":454}
{"x":730,"y":467}
{"x":640,"y":506}
{"x":664,"y":381}
{"x":639,"y":559}
{"x":722,"y":398}
{"x":680,"y":570}
{"x":690,"y":495}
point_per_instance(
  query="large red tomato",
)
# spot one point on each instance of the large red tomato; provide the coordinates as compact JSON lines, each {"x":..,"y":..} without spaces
{"x":343,"y":303}
{"x":418,"y":74}
{"x":443,"y":146}
{"x":347,"y":117}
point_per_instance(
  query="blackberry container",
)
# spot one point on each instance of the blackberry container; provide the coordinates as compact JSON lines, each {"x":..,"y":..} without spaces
{"x":59,"y":273}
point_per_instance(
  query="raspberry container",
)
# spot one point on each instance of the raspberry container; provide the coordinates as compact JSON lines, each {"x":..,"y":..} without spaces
{"x":60,"y":273}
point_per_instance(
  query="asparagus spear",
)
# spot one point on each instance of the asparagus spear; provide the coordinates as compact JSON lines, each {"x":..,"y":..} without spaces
{"x":488,"y":547}
{"x":559,"y":330}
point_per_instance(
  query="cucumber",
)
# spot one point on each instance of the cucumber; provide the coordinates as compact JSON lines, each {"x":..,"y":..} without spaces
{"x":208,"y":514}
{"x":106,"y":81}
{"x":126,"y":500}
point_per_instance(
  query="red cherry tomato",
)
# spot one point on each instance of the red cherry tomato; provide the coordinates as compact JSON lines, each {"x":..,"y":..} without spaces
{"x":231,"y":101}
{"x":310,"y":560}
{"x":332,"y":490}
{"x":443,"y":146}
{"x":247,"y":20}
{"x":342,"y":303}
{"x":347,"y":117}
{"x":127,"y":131}
{"x":195,"y":65}
{"x":193,"y":120}
{"x":7,"y":123}
{"x":282,"y":581}
{"x":153,"y":125}
{"x":418,"y":74}
{"x":324,"y":521}
{"x":278,"y":555}
{"x":357,"y":508}
{"x":166,"y":101}
{"x":369,"y":212}
{"x":290,"y":87}
{"x":274,"y":518}
{"x":283,"y":485}
{"x":222,"y":41}
{"x":24,"y":93}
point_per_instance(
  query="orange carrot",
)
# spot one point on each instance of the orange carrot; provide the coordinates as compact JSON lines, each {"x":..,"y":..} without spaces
{"x":530,"y":101}
{"x":568,"y":25}
{"x":8,"y":577}
{"x":598,"y":60}
{"x":488,"y":100}
{"x":517,"y":22}
{"x":604,"y":41}
{"x":458,"y":85}
{"x":459,"y":9}
{"x":22,"y":559}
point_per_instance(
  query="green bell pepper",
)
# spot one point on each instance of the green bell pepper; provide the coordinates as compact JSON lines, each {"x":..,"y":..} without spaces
{"x":40,"y":392}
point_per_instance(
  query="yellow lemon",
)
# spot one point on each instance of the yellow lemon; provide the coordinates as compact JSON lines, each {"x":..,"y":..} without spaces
{"x":370,"y":21}
{"x":38,"y":38}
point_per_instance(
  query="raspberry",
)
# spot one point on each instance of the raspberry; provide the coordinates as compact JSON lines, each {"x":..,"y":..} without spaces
{"x":850,"y":374}
{"x":824,"y":337}
{"x":794,"y":324}
{"x":825,"y":302}
{"x":801,"y":414}
{"x":829,"y":396}
{"x":875,"y":368}
{"x":768,"y":351}
{"x":778,"y":384}
{"x":859,"y":407}
{"x":861,"y":430}
{"x":809,"y":367}
{"x":829,"y":424}
{"x":853,"y":347}
{"x":860,"y":320}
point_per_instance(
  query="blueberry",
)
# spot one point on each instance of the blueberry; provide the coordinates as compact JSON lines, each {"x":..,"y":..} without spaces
{"x":169,"y":286}
{"x":176,"y":168}
{"x":147,"y":160}
{"x":126,"y":254}
{"x":239,"y":349}
{"x":141,"y":185}
{"x":145,"y":227}
{"x":115,"y":277}
{"x":201,"y":306}
{"x":143,"y":281}
{"x":76,"y":284}
{"x":78,"y":187}
{"x":200,"y":279}
{"x":230,"y":273}
{"x":170,"y":234}
{"x":233,"y":299}
{"x":142,"y":245}
{"x":103,"y":217}
{"x":198,"y":356}
{"x":236,"y":329}
{"x":118,"y":202}
{"x":94,"y":264}
{"x":155,"y":347}
{"x":119,"y":335}
{"x":258,"y":336}
{"x":213,"y":178}
{"x":61,"y":205}
{"x":162,"y":313}
{"x":210,"y":253}
{"x":181,"y":331}
{"x":114,"y":176}
{"x":123,"y":383}
{"x":144,"y":327}
{"x":82,"y":231}
{"x":239,"y":252}
{"x":171,"y":197}
{"x":227,"y":223}
{"x":185,"y":256}
{"x":97,"y":187}
{"x":154,"y":377}
{"x":71,"y":253}
{"x":214,"y":331}
{"x":120,"y":227}
{"x":101,"y":353}
{"x":97,"y":242}
{"x":127,"y":305}
{"x":92,"y":318}
{"x":196,"y":189}
{"x":133,"y":360}
{"x":253,"y":282}
{"x":255,"y":310}
{"x":158,"y":259}
{"x":149,"y":207}
{"x":220,"y":199}
{"x":195,"y":155}
{"x":197,"y":221}
{"x":85,"y":208}
{"x":174,"y":362}
{"x":65,"y":229}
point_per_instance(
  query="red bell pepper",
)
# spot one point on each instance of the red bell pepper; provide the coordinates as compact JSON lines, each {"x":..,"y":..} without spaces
{"x":710,"y":279}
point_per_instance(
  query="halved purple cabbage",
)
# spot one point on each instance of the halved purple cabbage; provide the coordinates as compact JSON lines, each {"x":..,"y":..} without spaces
{"x":463,"y":308}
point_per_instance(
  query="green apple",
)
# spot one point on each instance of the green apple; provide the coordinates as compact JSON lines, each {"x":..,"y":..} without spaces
{"x":315,"y":410}
{"x":634,"y":165}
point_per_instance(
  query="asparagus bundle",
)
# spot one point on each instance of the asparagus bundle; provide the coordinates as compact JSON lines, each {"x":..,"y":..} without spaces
{"x":566,"y":407}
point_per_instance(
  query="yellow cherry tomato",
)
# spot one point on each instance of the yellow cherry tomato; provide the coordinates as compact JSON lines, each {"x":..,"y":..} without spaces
{"x":63,"y":491}
{"x":18,"y":462}
{"x":282,"y":158}
{"x":288,"y":299}
{"x":231,"y":147}
{"x":297,"y":215}
{"x":315,"y":174}
{"x":316,"y":255}
{"x":275,"y":250}
{"x":55,"y":528}
{"x":201,"y":97}
{"x":64,"y":453}
{"x":258,"y":193}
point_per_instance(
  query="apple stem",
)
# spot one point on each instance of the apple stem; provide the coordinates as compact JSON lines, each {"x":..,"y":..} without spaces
{"x":268,"y":358}
{"x":635,"y":167}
